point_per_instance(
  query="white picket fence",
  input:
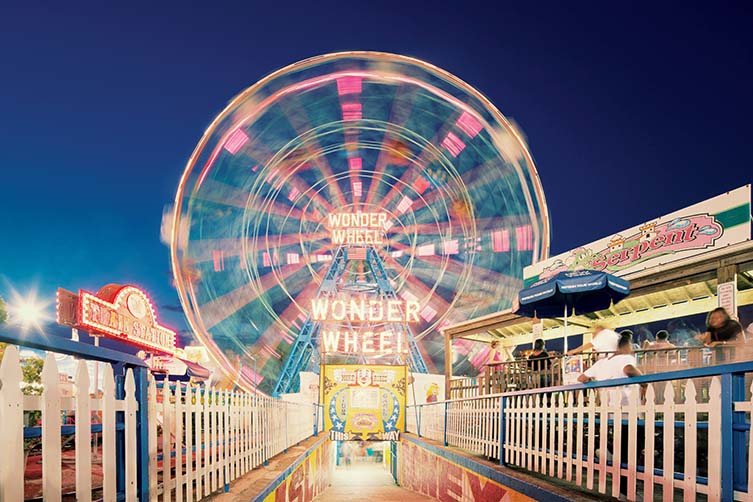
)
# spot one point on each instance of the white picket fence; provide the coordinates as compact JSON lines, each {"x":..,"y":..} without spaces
{"x":13,"y":404}
{"x":568,"y":438}
{"x":204,"y":439}
{"x":572,"y":435}
{"x":199,"y":440}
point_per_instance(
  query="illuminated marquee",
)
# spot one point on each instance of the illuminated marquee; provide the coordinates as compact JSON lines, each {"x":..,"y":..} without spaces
{"x":357,"y":228}
{"x":368,"y":342}
{"x":129,"y":317}
{"x":361,"y":310}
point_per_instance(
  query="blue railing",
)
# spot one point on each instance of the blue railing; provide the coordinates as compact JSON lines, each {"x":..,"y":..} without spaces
{"x":120,"y":363}
{"x":735,"y":425}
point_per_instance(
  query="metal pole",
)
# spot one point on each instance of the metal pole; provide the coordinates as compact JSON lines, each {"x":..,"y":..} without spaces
{"x":565,"y":334}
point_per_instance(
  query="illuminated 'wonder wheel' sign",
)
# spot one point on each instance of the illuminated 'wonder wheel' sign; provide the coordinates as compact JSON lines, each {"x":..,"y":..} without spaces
{"x":347,"y":133}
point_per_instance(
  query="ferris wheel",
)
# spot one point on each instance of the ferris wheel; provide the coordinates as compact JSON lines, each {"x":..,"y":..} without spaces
{"x":351,"y":133}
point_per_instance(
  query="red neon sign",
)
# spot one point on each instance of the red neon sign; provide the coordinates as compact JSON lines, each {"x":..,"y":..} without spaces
{"x":129,"y":318}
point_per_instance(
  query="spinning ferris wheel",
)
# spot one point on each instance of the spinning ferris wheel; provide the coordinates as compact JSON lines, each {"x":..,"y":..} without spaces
{"x":460,"y":207}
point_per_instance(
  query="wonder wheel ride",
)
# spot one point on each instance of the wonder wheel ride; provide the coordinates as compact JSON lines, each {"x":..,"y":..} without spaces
{"x":458,"y":201}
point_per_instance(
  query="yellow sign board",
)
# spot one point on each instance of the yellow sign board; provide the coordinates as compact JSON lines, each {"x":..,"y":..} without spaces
{"x":364,"y":402}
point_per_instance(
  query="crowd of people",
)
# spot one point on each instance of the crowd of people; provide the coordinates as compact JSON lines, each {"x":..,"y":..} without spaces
{"x":720,"y":330}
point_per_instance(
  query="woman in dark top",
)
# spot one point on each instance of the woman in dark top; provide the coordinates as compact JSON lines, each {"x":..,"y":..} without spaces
{"x":539,"y":352}
{"x":720,"y":328}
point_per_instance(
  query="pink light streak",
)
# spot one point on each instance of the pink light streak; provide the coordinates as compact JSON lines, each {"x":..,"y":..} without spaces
{"x":453,"y":144}
{"x":407,"y":295}
{"x":469,"y":125}
{"x":425,"y":250}
{"x":355,"y":163}
{"x":236,"y":141}
{"x":405,"y":203}
{"x":218,"y":257}
{"x":428,"y":313}
{"x":450,"y":247}
{"x":352,"y":111}
{"x":501,"y":241}
{"x":294,"y":193}
{"x":524,"y":238}
{"x":349,"y":85}
{"x":421,"y":184}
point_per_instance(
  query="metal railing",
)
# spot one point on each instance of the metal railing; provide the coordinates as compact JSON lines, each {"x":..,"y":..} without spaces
{"x":522,"y":374}
{"x":686,"y":434}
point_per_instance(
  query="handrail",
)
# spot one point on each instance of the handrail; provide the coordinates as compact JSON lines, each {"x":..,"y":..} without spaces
{"x":54,"y":343}
{"x":700,"y":372}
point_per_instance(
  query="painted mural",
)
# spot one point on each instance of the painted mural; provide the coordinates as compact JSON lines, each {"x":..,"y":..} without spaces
{"x":307,"y":480}
{"x":364,"y":402}
{"x":424,"y":472}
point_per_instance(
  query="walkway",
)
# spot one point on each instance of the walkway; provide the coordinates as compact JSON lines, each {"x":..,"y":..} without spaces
{"x":366,"y":482}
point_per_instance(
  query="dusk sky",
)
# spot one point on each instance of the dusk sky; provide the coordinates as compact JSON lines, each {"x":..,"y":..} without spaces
{"x":629,"y":113}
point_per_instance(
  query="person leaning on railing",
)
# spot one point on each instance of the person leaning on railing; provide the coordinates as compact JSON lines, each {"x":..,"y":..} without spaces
{"x":621,"y":364}
{"x":720,"y":329}
{"x":602,"y":340}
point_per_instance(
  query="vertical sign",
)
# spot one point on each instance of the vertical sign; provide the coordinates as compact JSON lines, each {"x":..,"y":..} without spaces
{"x":364,"y":402}
{"x":727,"y":297}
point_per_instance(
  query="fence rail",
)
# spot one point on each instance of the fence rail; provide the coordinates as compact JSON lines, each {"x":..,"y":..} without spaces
{"x":522,"y":374}
{"x":685,"y":435}
{"x":154,"y":442}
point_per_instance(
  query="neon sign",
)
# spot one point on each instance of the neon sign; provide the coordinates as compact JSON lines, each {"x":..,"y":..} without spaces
{"x":129,"y":318}
{"x":368,"y":342}
{"x":357,"y":228}
{"x":360,"y":310}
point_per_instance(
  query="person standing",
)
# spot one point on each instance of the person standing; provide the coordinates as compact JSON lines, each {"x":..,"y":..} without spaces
{"x":539,"y":362}
{"x":621,"y":364}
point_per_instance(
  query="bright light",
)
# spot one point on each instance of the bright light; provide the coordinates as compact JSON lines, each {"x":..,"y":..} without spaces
{"x":27,"y":311}
{"x":28,"y":314}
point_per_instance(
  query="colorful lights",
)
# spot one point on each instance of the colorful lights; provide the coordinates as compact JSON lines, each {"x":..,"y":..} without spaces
{"x":501,"y":241}
{"x":352,"y":111}
{"x":218,"y":260}
{"x":405,"y":204}
{"x":362,"y":310}
{"x":355,"y":163}
{"x":524,"y":238}
{"x":130,"y":318}
{"x":356,"y":228}
{"x":469,"y":124}
{"x":236,"y":141}
{"x":453,"y":144}
{"x":349,"y":85}
{"x":425,"y":250}
{"x":450,"y":247}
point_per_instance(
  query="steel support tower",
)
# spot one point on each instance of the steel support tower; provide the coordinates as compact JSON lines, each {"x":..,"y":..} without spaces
{"x":306,"y":345}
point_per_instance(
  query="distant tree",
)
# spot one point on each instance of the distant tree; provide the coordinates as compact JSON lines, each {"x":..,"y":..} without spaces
{"x":32,"y":372}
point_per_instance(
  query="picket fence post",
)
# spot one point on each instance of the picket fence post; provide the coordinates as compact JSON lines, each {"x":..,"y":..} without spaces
{"x":83,"y":439}
{"x":11,"y":416}
{"x":131,"y":457}
{"x":51,"y":422}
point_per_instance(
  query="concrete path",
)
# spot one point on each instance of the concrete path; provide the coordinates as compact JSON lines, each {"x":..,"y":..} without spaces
{"x":366,"y":482}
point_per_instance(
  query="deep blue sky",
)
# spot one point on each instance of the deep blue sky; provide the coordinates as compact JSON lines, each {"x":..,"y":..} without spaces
{"x":631,"y":112}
